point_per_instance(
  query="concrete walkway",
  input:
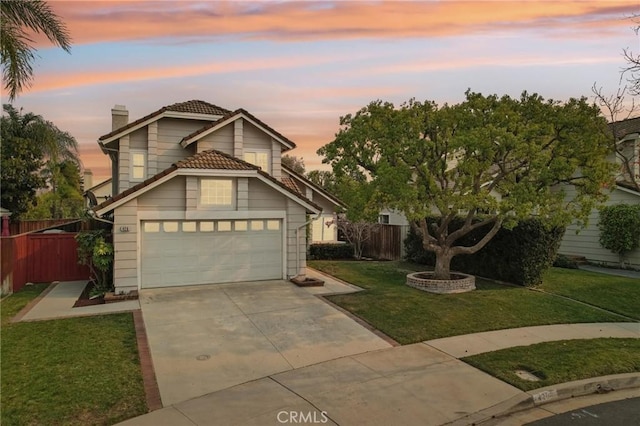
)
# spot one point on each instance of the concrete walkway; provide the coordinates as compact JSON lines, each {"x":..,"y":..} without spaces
{"x":58,"y":303}
{"x":610,"y":271}
{"x":489,"y":341}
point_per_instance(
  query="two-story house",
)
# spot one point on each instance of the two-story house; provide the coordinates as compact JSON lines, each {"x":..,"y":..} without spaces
{"x":586,"y":242}
{"x":201,"y":196}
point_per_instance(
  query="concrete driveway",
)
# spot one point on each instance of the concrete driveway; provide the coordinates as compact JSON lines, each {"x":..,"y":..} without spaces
{"x":207,"y":338}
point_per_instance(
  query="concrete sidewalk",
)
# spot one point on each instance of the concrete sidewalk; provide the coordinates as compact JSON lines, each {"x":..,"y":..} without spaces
{"x":58,"y":303}
{"x":489,"y":341}
{"x":611,"y":271}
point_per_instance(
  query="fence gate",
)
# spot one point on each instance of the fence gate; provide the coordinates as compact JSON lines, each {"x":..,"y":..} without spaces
{"x":53,"y":257}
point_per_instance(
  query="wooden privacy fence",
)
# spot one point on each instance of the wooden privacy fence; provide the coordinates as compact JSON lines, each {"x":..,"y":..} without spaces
{"x":24,"y":226}
{"x":386,"y":242}
{"x":40,"y":258}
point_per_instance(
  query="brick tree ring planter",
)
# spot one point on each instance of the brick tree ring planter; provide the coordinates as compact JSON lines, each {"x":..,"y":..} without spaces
{"x":459,"y":282}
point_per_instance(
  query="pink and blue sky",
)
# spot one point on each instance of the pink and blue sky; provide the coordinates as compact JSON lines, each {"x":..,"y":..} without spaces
{"x":301,"y":65}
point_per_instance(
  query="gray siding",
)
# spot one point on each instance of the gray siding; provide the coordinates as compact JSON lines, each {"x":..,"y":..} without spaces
{"x":123,"y":164}
{"x":238,"y":131}
{"x":221,"y":140}
{"x":254,"y":138}
{"x":125,"y":273}
{"x":296,"y":239}
{"x":152,"y":143}
{"x":586,"y":242}
{"x":276,"y":161}
{"x":242,"y":189}
{"x":138,"y":139}
{"x":170,"y":133}
{"x":168,"y":196}
{"x":263,"y":197}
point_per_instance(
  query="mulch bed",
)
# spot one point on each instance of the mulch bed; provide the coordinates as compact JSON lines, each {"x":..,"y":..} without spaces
{"x":84,"y":300}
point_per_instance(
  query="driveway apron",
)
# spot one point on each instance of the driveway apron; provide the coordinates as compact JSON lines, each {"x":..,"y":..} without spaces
{"x":207,"y":338}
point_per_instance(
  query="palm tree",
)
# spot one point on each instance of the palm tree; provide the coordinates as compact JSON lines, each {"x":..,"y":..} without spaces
{"x":16,"y":46}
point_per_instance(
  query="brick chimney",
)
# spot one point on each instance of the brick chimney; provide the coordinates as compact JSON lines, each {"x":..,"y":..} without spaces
{"x":119,"y":117}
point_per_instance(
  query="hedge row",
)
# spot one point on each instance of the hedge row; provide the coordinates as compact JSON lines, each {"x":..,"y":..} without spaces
{"x":518,"y":256}
{"x":330,"y":251}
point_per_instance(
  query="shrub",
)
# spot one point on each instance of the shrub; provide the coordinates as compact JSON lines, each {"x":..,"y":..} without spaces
{"x":330,"y":251}
{"x":520,"y":255}
{"x":97,"y":253}
{"x":620,"y":228}
{"x":563,"y":261}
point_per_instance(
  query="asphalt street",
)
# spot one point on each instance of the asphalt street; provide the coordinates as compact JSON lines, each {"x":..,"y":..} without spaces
{"x":617,"y":413}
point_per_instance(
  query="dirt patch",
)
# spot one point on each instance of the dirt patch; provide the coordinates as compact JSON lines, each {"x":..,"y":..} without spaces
{"x":84,"y":299}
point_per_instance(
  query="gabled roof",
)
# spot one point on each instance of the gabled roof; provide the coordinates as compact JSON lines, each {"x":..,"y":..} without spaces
{"x":232,"y":116}
{"x":626,"y":127}
{"x":629,"y":186}
{"x":313,"y":186}
{"x":206,"y":160}
{"x":98,"y":185}
{"x":189,"y":107}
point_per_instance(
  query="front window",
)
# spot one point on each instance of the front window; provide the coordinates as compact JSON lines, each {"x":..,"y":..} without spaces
{"x":216,"y":192}
{"x":258,"y":158}
{"x":138,"y":166}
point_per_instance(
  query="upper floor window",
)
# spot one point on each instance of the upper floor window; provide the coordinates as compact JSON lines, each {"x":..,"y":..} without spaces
{"x":258,"y":158}
{"x":216,"y":192}
{"x":138,"y":166}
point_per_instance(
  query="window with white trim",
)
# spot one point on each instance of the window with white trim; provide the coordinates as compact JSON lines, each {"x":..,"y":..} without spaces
{"x":138,"y":166}
{"x":258,"y":158}
{"x":216,"y":192}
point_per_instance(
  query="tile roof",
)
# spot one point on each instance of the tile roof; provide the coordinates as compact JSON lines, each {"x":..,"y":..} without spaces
{"x":234,"y":114}
{"x":206,"y":160}
{"x":289,"y":183}
{"x":315,"y":187}
{"x":216,"y":160}
{"x":194,"y":107}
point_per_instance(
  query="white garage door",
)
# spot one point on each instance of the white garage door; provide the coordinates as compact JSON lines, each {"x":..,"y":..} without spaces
{"x":175,"y":253}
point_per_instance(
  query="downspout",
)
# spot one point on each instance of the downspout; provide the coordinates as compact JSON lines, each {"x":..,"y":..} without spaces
{"x":304,"y":225}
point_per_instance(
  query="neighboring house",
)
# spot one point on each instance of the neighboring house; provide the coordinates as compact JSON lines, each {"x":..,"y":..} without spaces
{"x":323,"y":229}
{"x":586,"y":243}
{"x":200,"y":196}
{"x":101,"y":191}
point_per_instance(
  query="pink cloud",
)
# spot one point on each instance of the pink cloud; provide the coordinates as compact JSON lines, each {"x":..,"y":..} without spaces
{"x":119,"y":21}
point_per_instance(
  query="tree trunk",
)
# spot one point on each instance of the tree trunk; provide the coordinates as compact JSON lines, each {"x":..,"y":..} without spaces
{"x":443,"y":265}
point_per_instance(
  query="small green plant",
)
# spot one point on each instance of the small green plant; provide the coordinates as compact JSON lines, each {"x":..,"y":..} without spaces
{"x":620,"y":229}
{"x":97,"y":253}
{"x":565,"y":262}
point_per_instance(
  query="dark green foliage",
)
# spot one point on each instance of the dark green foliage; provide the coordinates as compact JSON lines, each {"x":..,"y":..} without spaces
{"x":519,"y":256}
{"x":330,"y":251}
{"x":21,"y":159}
{"x":563,"y":261}
{"x":620,"y":228}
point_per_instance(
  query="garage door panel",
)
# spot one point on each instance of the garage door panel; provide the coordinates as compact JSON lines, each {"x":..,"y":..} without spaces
{"x":202,"y":257}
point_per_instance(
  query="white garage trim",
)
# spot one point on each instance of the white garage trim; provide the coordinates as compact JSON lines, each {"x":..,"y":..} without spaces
{"x":210,"y":214}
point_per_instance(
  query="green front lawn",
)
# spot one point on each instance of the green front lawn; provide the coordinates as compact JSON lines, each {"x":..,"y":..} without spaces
{"x":616,"y":294}
{"x":562,"y":361}
{"x":70,"y":371}
{"x":409,"y":315}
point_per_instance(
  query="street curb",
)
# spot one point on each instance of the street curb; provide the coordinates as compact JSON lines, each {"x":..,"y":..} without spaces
{"x":549,"y":394}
